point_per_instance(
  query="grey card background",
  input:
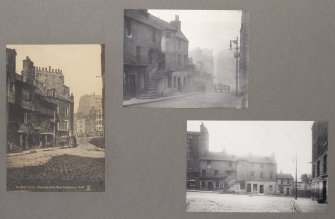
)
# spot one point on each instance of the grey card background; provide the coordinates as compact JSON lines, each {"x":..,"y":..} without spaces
{"x":292,"y":50}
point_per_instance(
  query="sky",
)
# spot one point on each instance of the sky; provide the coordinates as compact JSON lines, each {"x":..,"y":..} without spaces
{"x":212,"y":29}
{"x":80,"y":64}
{"x":283,"y":138}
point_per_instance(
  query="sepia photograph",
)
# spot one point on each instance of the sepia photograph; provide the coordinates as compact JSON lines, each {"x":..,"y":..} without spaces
{"x":185,"y":58}
{"x":257,"y":166}
{"x":55,"y":118}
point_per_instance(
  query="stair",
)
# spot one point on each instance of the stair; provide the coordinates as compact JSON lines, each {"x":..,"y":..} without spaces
{"x":152,"y":86}
{"x":229,"y":184}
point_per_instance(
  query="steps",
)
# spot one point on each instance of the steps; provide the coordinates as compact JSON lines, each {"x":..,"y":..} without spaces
{"x":152,"y":86}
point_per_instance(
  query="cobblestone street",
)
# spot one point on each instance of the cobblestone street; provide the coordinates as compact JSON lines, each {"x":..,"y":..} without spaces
{"x":54,"y":169}
{"x":215,"y":202}
{"x":201,"y":100}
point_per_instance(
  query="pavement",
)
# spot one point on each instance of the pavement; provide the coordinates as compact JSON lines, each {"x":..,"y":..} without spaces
{"x":306,"y":205}
{"x":208,"y":99}
{"x":54,"y":169}
{"x":215,"y":202}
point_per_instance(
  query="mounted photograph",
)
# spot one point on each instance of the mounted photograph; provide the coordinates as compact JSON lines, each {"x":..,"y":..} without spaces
{"x":55,"y":118}
{"x":185,"y":58}
{"x":257,"y":166}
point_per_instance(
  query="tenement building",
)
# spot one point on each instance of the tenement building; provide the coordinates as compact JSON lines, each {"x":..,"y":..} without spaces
{"x":320,"y":161}
{"x":223,"y":171}
{"x":155,"y":55}
{"x":284,"y":184}
{"x":36,"y":115}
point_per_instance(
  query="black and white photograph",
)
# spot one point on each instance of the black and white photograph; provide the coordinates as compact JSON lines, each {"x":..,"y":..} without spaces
{"x":257,"y":166}
{"x":185,"y":58}
{"x":55,"y":118}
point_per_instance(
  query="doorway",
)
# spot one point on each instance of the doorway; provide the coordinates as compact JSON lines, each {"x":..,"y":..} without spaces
{"x":248,"y":187}
{"x":132,"y":85}
{"x":210,"y":185}
{"x":287,"y":191}
{"x":261,"y":188}
{"x":324,"y":191}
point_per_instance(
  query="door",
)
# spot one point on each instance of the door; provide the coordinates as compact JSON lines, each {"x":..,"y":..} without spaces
{"x":210,"y":185}
{"x":287,"y":191}
{"x":261,"y":188}
{"x":324,"y":191}
{"x":248,"y":187}
{"x":132,"y":85}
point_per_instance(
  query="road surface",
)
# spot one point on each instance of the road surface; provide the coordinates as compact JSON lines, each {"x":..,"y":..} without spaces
{"x":54,"y":169}
{"x":200,"y":100}
{"x":215,"y":202}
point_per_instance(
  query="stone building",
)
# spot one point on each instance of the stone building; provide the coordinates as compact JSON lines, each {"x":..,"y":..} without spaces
{"x":51,"y":81}
{"x":32,"y":115}
{"x":155,"y":55}
{"x":89,"y":116}
{"x":205,"y":57}
{"x":319,"y":185}
{"x":285,"y":184}
{"x":222,"y":171}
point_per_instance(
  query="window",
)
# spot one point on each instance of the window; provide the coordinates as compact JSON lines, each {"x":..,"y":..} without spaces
{"x":202,"y":184}
{"x":128,"y":27}
{"x":313,"y":171}
{"x":252,"y":173}
{"x":230,"y":164}
{"x":66,"y":124}
{"x":153,"y":35}
{"x":138,"y":54}
{"x":261,"y":175}
{"x":216,"y":172}
{"x":25,"y":95}
{"x":150,"y":55}
{"x":66,"y":111}
{"x":325,"y":164}
{"x":255,"y":187}
{"x":318,"y":168}
{"x":208,"y":163}
{"x":271,"y":175}
{"x":168,"y":35}
{"x":185,"y":60}
{"x":203,"y":172}
{"x":179,"y":61}
{"x":179,"y":44}
{"x":270,"y":188}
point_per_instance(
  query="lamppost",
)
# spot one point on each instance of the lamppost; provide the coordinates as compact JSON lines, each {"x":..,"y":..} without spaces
{"x":296,"y":176}
{"x":236,"y":56}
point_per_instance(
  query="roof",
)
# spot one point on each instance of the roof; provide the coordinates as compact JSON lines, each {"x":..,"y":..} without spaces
{"x":284,"y":175}
{"x":231,"y":157}
{"x":153,"y":21}
{"x":139,"y":16}
{"x":193,"y":133}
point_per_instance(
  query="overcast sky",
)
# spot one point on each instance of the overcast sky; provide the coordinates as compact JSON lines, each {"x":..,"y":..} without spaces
{"x":283,"y":138}
{"x":80,"y":64}
{"x":212,"y":29}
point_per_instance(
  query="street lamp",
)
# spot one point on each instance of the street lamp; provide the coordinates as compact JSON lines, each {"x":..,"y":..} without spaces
{"x":236,"y":56}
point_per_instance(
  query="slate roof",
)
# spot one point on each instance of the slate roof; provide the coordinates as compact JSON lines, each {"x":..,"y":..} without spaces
{"x":284,"y":175}
{"x":231,"y":157}
{"x":153,"y":21}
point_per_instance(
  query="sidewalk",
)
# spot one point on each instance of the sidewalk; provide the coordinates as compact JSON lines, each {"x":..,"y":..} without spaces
{"x":30,"y":151}
{"x":137,"y":101}
{"x":306,"y":205}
